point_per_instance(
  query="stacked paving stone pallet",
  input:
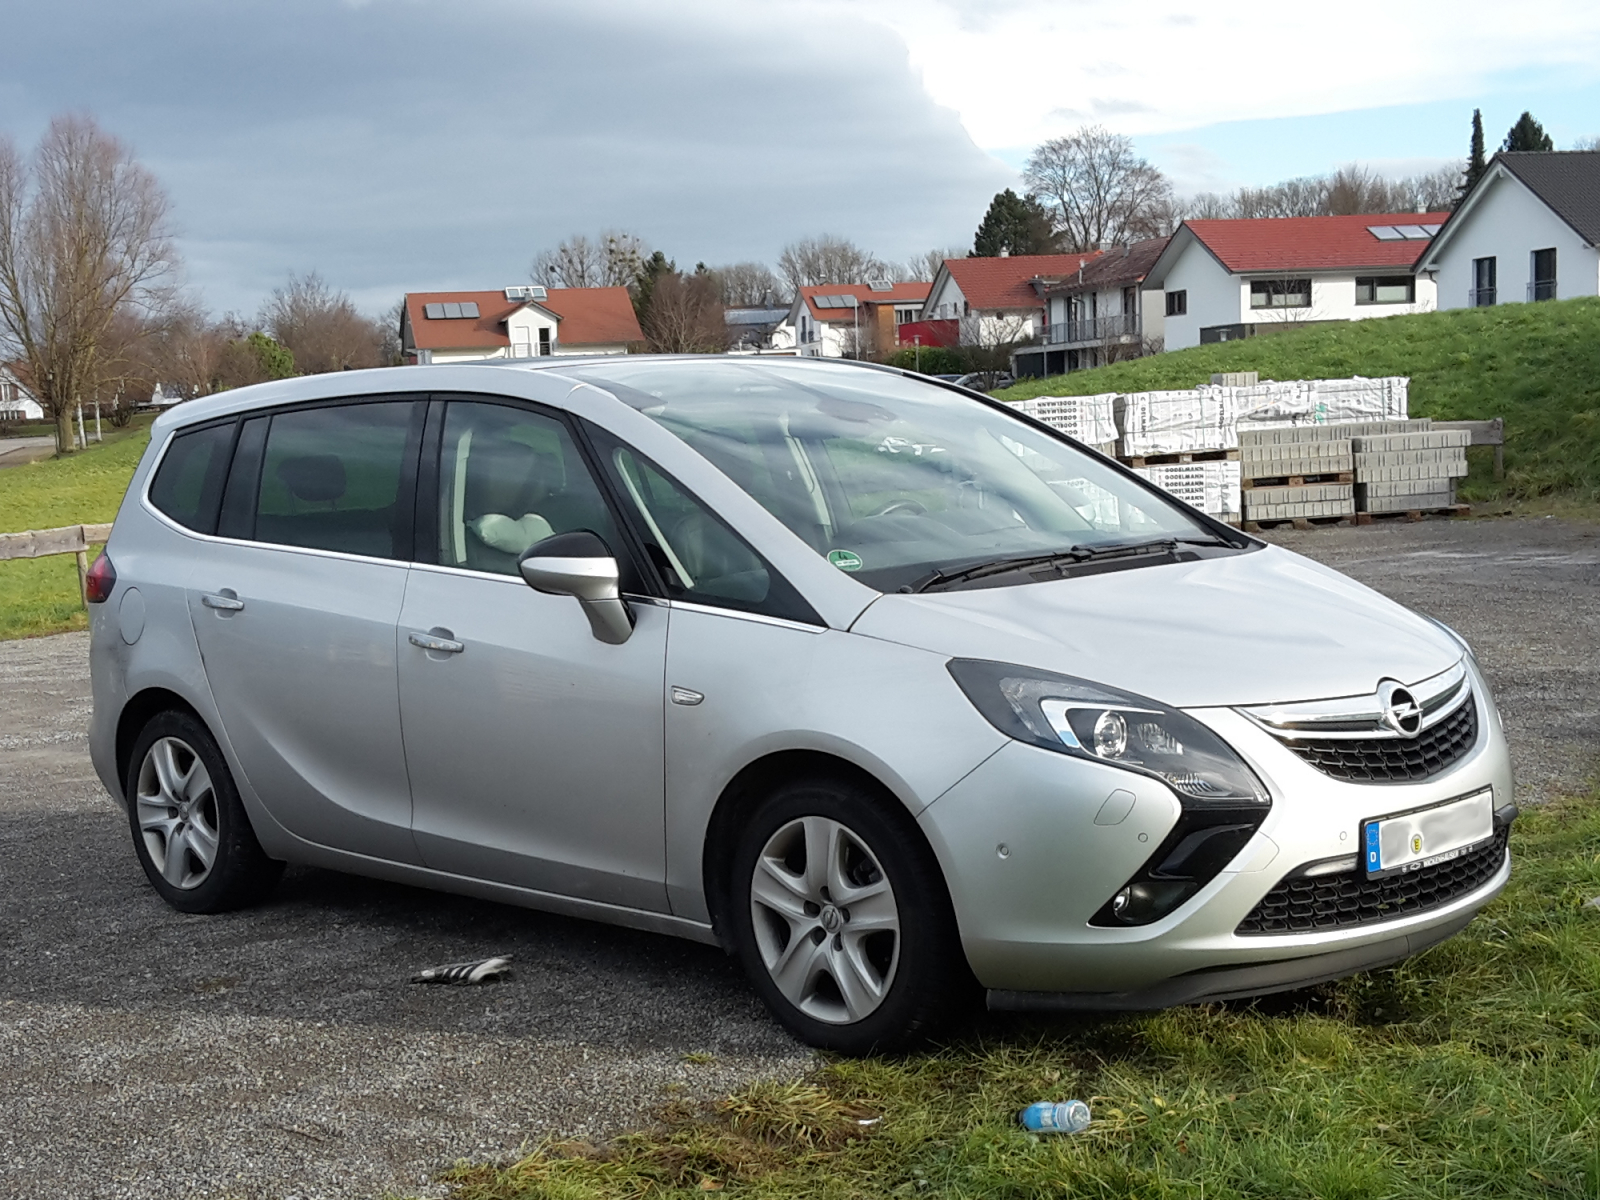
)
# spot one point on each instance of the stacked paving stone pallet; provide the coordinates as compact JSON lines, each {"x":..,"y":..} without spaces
{"x":1330,"y":471}
{"x":1189,"y":441}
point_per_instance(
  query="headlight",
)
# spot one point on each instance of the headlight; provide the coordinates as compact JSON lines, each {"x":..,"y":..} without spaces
{"x":1089,"y":720}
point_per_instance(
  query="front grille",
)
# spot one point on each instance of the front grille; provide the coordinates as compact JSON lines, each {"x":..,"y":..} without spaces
{"x":1395,"y":760}
{"x":1309,"y":905}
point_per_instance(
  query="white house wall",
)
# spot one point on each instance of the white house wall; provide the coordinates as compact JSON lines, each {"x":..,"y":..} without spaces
{"x":1333,"y":298}
{"x":1508,"y":223}
{"x":946,"y":302}
{"x":1214,"y":296}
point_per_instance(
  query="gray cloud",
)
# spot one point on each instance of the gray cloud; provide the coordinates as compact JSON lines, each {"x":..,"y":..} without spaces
{"x":401,"y":145}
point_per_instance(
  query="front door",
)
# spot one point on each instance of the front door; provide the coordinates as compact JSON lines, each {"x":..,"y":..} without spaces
{"x":534,"y":750}
{"x":295,"y":617}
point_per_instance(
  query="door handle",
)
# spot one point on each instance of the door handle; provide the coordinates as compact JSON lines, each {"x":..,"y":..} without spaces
{"x":432,"y":641}
{"x":222,"y":601}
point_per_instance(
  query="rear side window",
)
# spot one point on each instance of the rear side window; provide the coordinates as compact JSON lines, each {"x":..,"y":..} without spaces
{"x":335,"y":479}
{"x":188,"y":483}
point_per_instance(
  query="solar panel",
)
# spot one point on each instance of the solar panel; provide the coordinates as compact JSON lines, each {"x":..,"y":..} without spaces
{"x":434,"y":312}
{"x":469,"y":308}
{"x":1414,"y":233}
{"x":1386,"y":233}
{"x":1433,"y":230}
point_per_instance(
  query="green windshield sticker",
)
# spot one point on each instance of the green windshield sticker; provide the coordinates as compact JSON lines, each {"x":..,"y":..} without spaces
{"x":845,"y":560}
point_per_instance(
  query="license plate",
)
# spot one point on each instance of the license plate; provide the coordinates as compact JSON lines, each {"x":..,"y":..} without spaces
{"x":1420,"y":839}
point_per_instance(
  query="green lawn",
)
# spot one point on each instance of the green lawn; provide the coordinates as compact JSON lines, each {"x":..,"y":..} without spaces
{"x":40,"y":595}
{"x":1472,"y":1071}
{"x":1536,"y":365}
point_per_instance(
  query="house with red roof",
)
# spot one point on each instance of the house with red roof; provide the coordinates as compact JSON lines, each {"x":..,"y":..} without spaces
{"x":1227,"y":279}
{"x":849,"y":320}
{"x":523,"y":321}
{"x":1101,"y":313}
{"x":993,"y":301}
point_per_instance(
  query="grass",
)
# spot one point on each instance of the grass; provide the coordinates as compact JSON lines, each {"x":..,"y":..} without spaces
{"x":1473,"y":1070}
{"x":40,"y":595}
{"x":1536,"y":365}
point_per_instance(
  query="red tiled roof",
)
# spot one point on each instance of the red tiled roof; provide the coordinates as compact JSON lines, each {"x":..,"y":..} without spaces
{"x":989,"y":283}
{"x":589,"y":317}
{"x":1311,"y":243}
{"x":863,"y":292}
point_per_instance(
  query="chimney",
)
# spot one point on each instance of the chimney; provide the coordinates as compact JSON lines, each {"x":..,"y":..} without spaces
{"x":1005,"y":251}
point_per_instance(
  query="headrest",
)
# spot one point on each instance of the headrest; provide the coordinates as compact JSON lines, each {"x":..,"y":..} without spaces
{"x":313,"y":477}
{"x":501,"y":477}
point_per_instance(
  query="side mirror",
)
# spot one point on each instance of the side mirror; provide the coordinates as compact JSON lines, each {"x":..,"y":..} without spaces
{"x":580,"y":564}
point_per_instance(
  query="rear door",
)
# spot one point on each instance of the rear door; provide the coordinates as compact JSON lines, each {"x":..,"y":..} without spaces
{"x":535,"y":750}
{"x":295,"y":606}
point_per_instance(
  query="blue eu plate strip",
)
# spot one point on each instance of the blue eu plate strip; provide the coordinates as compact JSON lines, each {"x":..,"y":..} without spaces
{"x":1374,"y":855}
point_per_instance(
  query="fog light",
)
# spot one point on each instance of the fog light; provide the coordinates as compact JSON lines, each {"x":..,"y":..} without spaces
{"x":1141,"y":903}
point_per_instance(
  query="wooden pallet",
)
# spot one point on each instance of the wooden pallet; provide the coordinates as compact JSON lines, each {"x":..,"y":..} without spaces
{"x":1415,"y":514}
{"x":1299,"y":522}
{"x":1266,"y":481}
{"x":1188,"y":456}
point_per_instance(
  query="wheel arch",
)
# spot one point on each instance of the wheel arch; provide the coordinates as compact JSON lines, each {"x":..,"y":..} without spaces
{"x":747,"y":788}
{"x":137,"y":713}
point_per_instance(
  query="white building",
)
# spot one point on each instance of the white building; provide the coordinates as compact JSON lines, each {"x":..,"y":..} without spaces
{"x":848,"y":320}
{"x":16,"y":401}
{"x":1099,"y":314}
{"x":1527,"y":231}
{"x":525,"y":321}
{"x":993,"y":301}
{"x":1228,"y":279}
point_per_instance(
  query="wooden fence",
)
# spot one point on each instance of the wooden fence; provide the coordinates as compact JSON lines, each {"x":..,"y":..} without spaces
{"x":69,"y":539}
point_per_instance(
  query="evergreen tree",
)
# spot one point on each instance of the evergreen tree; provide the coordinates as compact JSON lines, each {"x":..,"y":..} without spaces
{"x":1013,"y":225}
{"x":1475,"y":163}
{"x":1528,"y":134}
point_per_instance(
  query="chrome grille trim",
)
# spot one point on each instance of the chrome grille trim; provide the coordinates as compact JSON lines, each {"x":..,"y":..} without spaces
{"x":1361,"y":717}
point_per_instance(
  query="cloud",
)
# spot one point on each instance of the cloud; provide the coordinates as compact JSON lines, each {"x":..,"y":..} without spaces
{"x":398,"y":145}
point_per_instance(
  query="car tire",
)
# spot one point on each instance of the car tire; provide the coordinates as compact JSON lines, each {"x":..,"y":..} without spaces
{"x":184,"y":809}
{"x":840,"y":915}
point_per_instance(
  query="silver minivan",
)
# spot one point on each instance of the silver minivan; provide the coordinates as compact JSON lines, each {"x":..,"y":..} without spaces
{"x":882,"y":686}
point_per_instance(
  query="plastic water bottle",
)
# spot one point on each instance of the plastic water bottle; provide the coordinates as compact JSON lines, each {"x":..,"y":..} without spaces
{"x":1069,"y":1116}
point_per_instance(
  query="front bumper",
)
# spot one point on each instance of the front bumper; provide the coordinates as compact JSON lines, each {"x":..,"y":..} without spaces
{"x":1028,"y":866}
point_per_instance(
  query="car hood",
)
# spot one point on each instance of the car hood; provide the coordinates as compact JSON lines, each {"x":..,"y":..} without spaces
{"x":1262,"y":627}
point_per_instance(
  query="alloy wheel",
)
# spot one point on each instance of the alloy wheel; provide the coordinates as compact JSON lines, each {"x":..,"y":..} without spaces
{"x":825,"y":920}
{"x":176,"y":809}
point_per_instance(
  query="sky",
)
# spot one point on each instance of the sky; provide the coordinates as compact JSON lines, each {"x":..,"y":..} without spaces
{"x":411,"y":145}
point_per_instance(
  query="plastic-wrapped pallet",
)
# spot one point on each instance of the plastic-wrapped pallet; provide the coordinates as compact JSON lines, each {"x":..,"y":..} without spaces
{"x":1174,"y":422}
{"x":1212,"y":487}
{"x":1213,"y":417}
{"x":1089,"y":419}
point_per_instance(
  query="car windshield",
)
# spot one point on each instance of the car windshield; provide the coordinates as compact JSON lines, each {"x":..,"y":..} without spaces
{"x":897,"y":481}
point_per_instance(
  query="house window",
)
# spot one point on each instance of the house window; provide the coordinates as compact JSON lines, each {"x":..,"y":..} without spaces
{"x":1178,"y":303}
{"x":1386,"y":289}
{"x":544,"y":341}
{"x":1130,"y":301}
{"x":1543,"y":278}
{"x":903,"y":316}
{"x":1280,"y":293}
{"x":1482,"y":292}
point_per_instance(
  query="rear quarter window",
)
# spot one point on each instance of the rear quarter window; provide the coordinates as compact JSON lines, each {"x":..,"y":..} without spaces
{"x":188,"y":484}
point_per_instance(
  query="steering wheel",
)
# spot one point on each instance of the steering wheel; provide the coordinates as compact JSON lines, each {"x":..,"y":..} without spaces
{"x":903,"y":505}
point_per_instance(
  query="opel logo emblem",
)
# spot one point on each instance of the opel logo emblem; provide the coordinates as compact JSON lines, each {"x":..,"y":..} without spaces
{"x":1401,"y":712}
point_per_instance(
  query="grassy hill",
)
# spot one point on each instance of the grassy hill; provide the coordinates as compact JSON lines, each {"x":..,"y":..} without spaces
{"x":1536,"y":365}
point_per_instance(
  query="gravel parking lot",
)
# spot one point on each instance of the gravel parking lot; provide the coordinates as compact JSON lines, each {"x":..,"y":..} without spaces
{"x":280,"y":1053}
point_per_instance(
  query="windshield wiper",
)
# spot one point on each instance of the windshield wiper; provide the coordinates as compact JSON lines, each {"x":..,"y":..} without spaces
{"x":1057,"y":559}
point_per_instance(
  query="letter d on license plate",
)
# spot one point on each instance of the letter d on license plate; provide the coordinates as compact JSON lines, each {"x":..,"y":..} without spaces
{"x":1431,"y":835}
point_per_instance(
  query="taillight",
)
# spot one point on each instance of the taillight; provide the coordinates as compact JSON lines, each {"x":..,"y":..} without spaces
{"x":99,"y":581}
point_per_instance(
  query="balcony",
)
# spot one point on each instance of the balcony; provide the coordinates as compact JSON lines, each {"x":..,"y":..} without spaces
{"x":1095,"y":329}
{"x":1541,"y":289}
{"x":1483,"y":297}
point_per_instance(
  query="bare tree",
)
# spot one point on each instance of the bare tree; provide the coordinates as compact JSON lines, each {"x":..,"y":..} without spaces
{"x":1099,"y":190}
{"x":751,"y":285}
{"x":321,"y":327}
{"x":685,"y":315}
{"x":1592,"y":142}
{"x":83,"y":238}
{"x":829,"y":259}
{"x":926,"y":265}
{"x":611,"y":260}
{"x":1352,"y":189}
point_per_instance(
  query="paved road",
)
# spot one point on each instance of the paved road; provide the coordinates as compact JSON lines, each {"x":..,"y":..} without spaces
{"x":279,"y":1053}
{"x":16,"y":451}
